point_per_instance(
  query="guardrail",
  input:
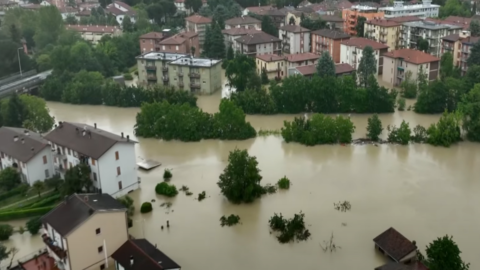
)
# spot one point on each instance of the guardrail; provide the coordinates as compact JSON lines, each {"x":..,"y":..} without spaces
{"x":11,"y":78}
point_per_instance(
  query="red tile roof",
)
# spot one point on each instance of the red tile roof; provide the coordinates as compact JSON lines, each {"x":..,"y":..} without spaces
{"x":178,"y":39}
{"x":240,"y":31}
{"x":412,"y":56}
{"x":343,"y":68}
{"x":384,"y":23}
{"x":394,"y":244}
{"x":198,"y":19}
{"x":331,"y":34}
{"x":312,"y":69}
{"x":257,"y":38}
{"x":242,"y":20}
{"x":294,"y":28}
{"x":405,"y":19}
{"x":270,"y":57}
{"x":364,"y":42}
{"x":299,"y":57}
{"x":93,"y":28}
{"x":152,"y":35}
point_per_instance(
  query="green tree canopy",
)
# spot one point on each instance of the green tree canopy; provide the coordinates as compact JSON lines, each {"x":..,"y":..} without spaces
{"x":326,"y":66}
{"x":9,"y":178}
{"x":268,"y":26}
{"x":16,"y":112}
{"x":77,"y":180}
{"x":360,"y":27}
{"x":474,"y":27}
{"x":470,"y":108}
{"x":50,"y":26}
{"x":474,"y":58}
{"x":37,"y":117}
{"x":34,"y":225}
{"x":446,"y":65}
{"x":239,"y":71}
{"x":443,"y":253}
{"x":374,"y":128}
{"x":194,"y":5}
{"x":367,"y":66}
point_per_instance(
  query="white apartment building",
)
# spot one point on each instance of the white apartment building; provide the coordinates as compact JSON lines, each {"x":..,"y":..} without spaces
{"x":351,"y":52}
{"x":26,"y":151}
{"x":120,"y":10}
{"x":111,"y":157}
{"x":424,"y":10}
{"x":246,"y":22}
{"x":412,"y":32}
{"x":295,"y":39}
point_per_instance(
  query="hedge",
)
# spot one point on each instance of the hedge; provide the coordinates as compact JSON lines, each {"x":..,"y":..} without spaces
{"x":146,"y":208}
{"x":26,"y":213}
{"x":15,"y":191}
{"x":48,"y":201}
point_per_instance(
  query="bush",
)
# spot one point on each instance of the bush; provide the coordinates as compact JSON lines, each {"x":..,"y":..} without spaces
{"x":284,"y":183}
{"x":167,"y":174}
{"x":374,"y":128}
{"x":21,"y":189}
{"x":48,"y":201}
{"x":290,"y":229}
{"x":446,"y":131}
{"x":25,"y":213}
{"x":230,"y":220}
{"x":399,"y":135}
{"x":166,"y":189}
{"x":146,"y":208}
{"x":401,"y":104}
{"x":34,"y":225}
{"x":5,"y":231}
{"x":202,"y":196}
{"x":419,"y":134}
{"x":128,"y":77}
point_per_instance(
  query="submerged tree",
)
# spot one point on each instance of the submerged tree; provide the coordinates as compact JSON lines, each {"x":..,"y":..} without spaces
{"x":442,"y":254}
{"x":374,"y":128}
{"x":367,"y":66}
{"x":326,"y":66}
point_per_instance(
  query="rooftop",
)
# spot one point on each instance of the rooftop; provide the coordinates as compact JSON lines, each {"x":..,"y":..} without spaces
{"x":257,"y":38}
{"x":412,"y":56}
{"x":161,"y":56}
{"x":409,"y":7}
{"x":77,"y":208}
{"x":312,"y":69}
{"x":383,"y":23}
{"x":452,"y":37}
{"x":260,"y":10}
{"x":402,"y":266}
{"x":139,"y":254}
{"x":405,"y":19}
{"x":300,"y":57}
{"x":332,"y":34}
{"x":178,"y":38}
{"x":93,"y":28}
{"x":242,"y":20}
{"x":195,"y":62}
{"x":152,"y":35}
{"x":84,"y":139}
{"x":470,"y":40}
{"x":294,"y":28}
{"x":361,"y":43}
{"x":363,"y":8}
{"x":431,"y":25}
{"x":197,"y":19}
{"x":270,"y":57}
{"x":394,"y":244}
{"x":331,"y":18}
{"x":20,"y":143}
{"x":116,"y":11}
{"x":240,"y":31}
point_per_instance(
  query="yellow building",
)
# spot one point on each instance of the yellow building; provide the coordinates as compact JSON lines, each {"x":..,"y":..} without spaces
{"x":273,"y":64}
{"x":386,"y":32}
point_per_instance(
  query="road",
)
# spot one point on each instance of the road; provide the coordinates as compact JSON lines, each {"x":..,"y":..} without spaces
{"x":4,"y":89}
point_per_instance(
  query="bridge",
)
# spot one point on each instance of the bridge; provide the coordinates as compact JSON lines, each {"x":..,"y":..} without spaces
{"x":23,"y":84}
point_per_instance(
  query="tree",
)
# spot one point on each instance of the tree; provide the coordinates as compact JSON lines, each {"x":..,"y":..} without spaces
{"x":313,"y":25}
{"x":360,"y":27}
{"x":291,"y":21}
{"x":217,"y":47}
{"x":470,"y":108}
{"x":38,"y":187}
{"x":194,"y":5}
{"x":422,"y":45}
{"x":240,"y":180}
{"x":37,"y":116}
{"x":443,"y":253}
{"x":55,"y":183}
{"x":207,"y":44}
{"x":43,"y":62}
{"x":49,"y":27}
{"x":446,"y":65}
{"x":475,"y":26}
{"x":446,"y":131}
{"x":408,"y":87}
{"x":9,"y":178}
{"x":264,"y":76}
{"x":128,"y":202}
{"x":474,"y":58}
{"x":15,"y":113}
{"x":374,"y":128}
{"x":455,"y":8}
{"x":4,"y":253}
{"x":14,"y":33}
{"x":127,"y":24}
{"x":326,"y":66}
{"x":5,"y":231}
{"x":268,"y":26}
{"x":71,"y":20}
{"x":77,"y":179}
{"x":230,"y":53}
{"x":34,"y":225}
{"x":399,"y":135}
{"x":239,"y":71}
{"x":367,"y":66}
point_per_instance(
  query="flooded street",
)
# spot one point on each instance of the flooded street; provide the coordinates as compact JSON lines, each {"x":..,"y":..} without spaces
{"x":423,"y":191}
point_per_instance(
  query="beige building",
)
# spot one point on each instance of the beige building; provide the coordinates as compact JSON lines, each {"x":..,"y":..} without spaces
{"x":198,"y":24}
{"x":197,"y":75}
{"x":83,"y":232}
{"x":383,"y":31}
{"x":273,"y":64}
{"x":93,"y":33}
{"x":153,"y":67}
{"x":397,"y":63}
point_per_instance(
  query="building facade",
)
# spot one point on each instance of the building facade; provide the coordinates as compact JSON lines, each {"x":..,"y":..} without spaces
{"x":111,"y":157}
{"x":246,"y":22}
{"x":230,"y":35}
{"x":301,"y":59}
{"x":121,"y":10}
{"x":326,"y":40}
{"x":453,"y":44}
{"x":153,"y":67}
{"x":93,"y":33}
{"x":196,"y":75}
{"x":383,"y":31}
{"x":423,"y":10}
{"x":150,"y":42}
{"x":351,"y":52}
{"x":467,"y":44}
{"x":257,"y":44}
{"x":184,"y":43}
{"x":198,"y":24}
{"x":295,"y":39}
{"x":350,"y":17}
{"x":274,"y":65}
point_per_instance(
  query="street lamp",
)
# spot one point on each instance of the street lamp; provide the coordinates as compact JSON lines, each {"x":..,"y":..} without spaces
{"x":19,"y":63}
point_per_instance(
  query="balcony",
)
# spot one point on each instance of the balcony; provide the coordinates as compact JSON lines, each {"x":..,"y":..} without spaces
{"x":383,"y":33}
{"x":59,"y":168}
{"x":195,"y":85}
{"x":58,"y":153}
{"x":194,"y":75}
{"x":181,"y":85}
{"x":58,"y":251}
{"x":165,"y":78}
{"x":151,"y":68}
{"x":151,"y":77}
{"x":383,"y":40}
{"x":164,"y":68}
{"x":180,"y":74}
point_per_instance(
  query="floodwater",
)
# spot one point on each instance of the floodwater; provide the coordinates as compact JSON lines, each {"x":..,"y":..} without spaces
{"x":423,"y":191}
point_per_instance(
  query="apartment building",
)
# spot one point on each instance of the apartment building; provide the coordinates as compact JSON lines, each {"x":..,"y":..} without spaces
{"x":467,"y":44}
{"x":184,"y":43}
{"x":246,"y":22}
{"x":453,"y":44}
{"x":198,"y":24}
{"x":27,"y":152}
{"x":258,"y":10}
{"x":333,"y":22}
{"x":301,"y":59}
{"x":351,"y":52}
{"x":412,"y":32}
{"x":405,"y":19}
{"x":425,"y":9}
{"x":257,"y":44}
{"x":197,"y":75}
{"x":277,"y":16}
{"x":397,"y":63}
{"x":83,"y":232}
{"x":149,"y":42}
{"x":93,"y":33}
{"x":111,"y":157}
{"x":311,"y":70}
{"x":295,"y":39}
{"x":153,"y":67}
{"x":274,"y":65}
{"x":383,"y":31}
{"x":230,"y":35}
{"x":329,"y":41}
{"x":350,"y":17}
{"x":120,"y":10}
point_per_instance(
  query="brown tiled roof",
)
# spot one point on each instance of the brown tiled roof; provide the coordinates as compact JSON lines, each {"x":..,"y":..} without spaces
{"x":394,"y":244}
{"x":412,"y":56}
{"x":331,"y":18}
{"x":188,"y":34}
{"x":93,"y":28}
{"x":112,"y":9}
{"x":240,"y":31}
{"x":93,"y":144}
{"x":470,"y":40}
{"x":458,"y":20}
{"x":402,"y":266}
{"x":178,"y":39}
{"x":145,"y":256}
{"x":26,"y":145}
{"x":332,"y":34}
{"x":364,"y":42}
{"x":294,"y":28}
{"x":383,"y":23}
{"x":242,"y":20}
{"x":405,"y":19}
{"x":260,"y":10}
{"x":276,"y":12}
{"x":77,"y":208}
{"x":197,"y":19}
{"x":312,"y":69}
{"x":152,"y":35}
{"x":452,"y":37}
{"x":343,"y":68}
{"x":257,"y":38}
{"x":302,"y":57}
{"x":270,"y":57}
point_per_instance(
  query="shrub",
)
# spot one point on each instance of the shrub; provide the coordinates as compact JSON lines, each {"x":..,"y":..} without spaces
{"x":146,"y":208}
{"x":21,"y":189}
{"x":24,"y":213}
{"x":34,"y":225}
{"x":399,"y":135}
{"x":290,"y":229}
{"x":374,"y":128}
{"x":284,"y":183}
{"x":167,"y":174}
{"x":230,"y":220}
{"x":128,"y":77}
{"x":49,"y":201}
{"x":401,"y":104}
{"x":201,"y":196}
{"x":419,"y":134}
{"x":166,"y":189}
{"x":5,"y":231}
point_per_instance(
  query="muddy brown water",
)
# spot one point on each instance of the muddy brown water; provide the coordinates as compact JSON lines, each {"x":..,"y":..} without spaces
{"x":422,"y":191}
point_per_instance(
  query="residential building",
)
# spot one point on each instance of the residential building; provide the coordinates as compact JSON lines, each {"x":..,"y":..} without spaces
{"x":246,"y":22}
{"x":326,"y":40}
{"x":231,"y":34}
{"x":93,"y":33}
{"x":149,"y":42}
{"x":84,"y":231}
{"x":274,"y":65}
{"x":310,"y":70}
{"x":153,"y":67}
{"x":423,"y":10}
{"x":258,"y":10}
{"x":121,"y":10}
{"x":401,"y":266}
{"x":301,"y":59}
{"x":333,"y":22}
{"x":383,"y":31}
{"x":26,"y":151}
{"x":467,"y":44}
{"x":295,"y":39}
{"x":405,"y":19}
{"x":397,"y":63}
{"x":294,"y":17}
{"x":68,"y":12}
{"x":184,"y":43}
{"x":277,"y":16}
{"x":198,"y":24}
{"x":350,"y":16}
{"x":139,"y":254}
{"x":453,"y":44}
{"x":395,"y":246}
{"x":111,"y":157}
{"x":351,"y":52}
{"x":257,"y":44}
{"x":197,"y":75}
{"x":412,"y":32}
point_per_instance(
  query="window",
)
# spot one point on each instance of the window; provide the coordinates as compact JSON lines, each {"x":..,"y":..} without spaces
{"x":69,"y":151}
{"x":94,"y":176}
{"x":102,"y":266}
{"x":97,"y":231}
{"x":100,"y":249}
{"x":120,"y":187}
{"x":44,"y":159}
{"x":117,"y":156}
{"x":93,"y":162}
{"x":47,"y":174}
{"x":118,"y":171}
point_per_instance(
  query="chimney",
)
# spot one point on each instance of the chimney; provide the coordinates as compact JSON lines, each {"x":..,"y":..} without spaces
{"x":128,"y":138}
{"x":122,"y":135}
{"x":131,"y":260}
{"x":95,"y":125}
{"x":23,"y":141}
{"x":56,"y":126}
{"x":60,"y":124}
{"x":15,"y":138}
{"x":414,"y":243}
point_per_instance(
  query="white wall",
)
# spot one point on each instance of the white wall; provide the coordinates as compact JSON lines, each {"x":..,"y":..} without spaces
{"x":61,"y":242}
{"x":36,"y":169}
{"x":347,"y":56}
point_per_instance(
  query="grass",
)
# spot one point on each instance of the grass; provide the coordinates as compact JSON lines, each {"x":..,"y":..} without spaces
{"x":31,"y":194}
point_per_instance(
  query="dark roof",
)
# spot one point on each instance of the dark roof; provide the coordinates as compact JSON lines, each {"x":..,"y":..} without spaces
{"x":240,"y":31}
{"x":412,"y":56}
{"x":470,"y":40}
{"x":197,"y":19}
{"x":145,"y":256}
{"x":24,"y":146}
{"x":94,"y":143}
{"x":300,"y":57}
{"x":405,"y":19}
{"x":294,"y":28}
{"x":78,"y":208}
{"x":331,"y":18}
{"x":452,"y":37}
{"x":332,"y":34}
{"x":343,"y":68}
{"x":402,"y":266}
{"x":152,"y":35}
{"x":361,"y":43}
{"x":383,"y":23}
{"x":394,"y":244}
{"x":312,"y":69}
{"x":242,"y":20}
{"x":257,"y":38}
